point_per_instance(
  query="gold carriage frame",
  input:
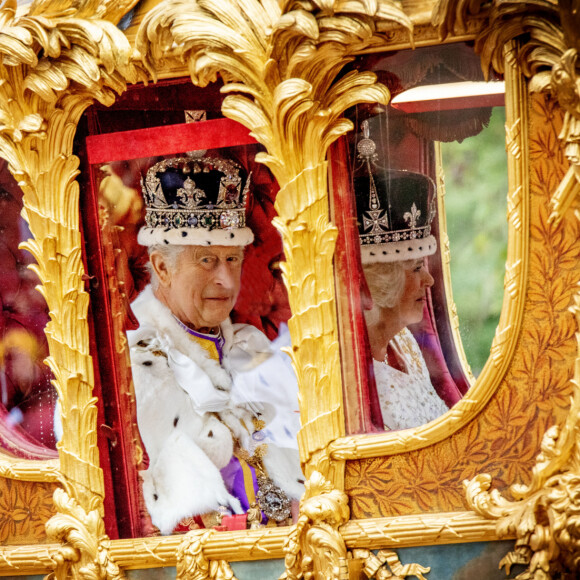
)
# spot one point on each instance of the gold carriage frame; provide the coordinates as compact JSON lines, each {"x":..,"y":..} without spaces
{"x":280,"y":62}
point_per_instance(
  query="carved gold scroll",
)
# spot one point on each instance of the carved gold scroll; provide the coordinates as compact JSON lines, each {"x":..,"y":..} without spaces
{"x":55,"y":61}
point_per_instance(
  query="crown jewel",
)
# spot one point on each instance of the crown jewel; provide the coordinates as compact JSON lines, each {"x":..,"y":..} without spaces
{"x":193,"y":200}
{"x":395,"y":208}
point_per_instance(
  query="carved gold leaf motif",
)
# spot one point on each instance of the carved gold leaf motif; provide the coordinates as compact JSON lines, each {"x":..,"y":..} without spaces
{"x":192,"y":564}
{"x":306,"y":108}
{"x":385,"y":564}
{"x":24,"y":509}
{"x":315,"y":548}
{"x":54,"y":62}
{"x":545,"y":519}
{"x":84,"y":551}
{"x":267,"y":543}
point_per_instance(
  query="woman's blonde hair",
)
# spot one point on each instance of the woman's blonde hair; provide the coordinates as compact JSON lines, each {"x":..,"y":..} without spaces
{"x":386,"y":282}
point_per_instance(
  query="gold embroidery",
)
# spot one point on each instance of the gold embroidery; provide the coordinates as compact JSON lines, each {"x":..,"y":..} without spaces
{"x":207,"y":345}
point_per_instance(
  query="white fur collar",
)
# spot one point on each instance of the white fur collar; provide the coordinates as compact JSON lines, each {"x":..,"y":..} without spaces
{"x":154,"y":317}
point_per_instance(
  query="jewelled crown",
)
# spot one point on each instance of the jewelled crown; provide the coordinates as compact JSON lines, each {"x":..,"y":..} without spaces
{"x":195,"y":201}
{"x":395,"y":209}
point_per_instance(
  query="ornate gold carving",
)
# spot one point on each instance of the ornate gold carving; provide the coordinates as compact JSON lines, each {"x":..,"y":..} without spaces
{"x":545,"y":515}
{"x":375,"y":565}
{"x":84,"y":549}
{"x":315,"y":547}
{"x":25,"y":508}
{"x":268,"y":543}
{"x":280,"y":63}
{"x":265,"y":543}
{"x":21,"y":560}
{"x":566,"y":193}
{"x":566,"y":82}
{"x":51,"y":210}
{"x":506,"y":21}
{"x":518,"y":215}
{"x":54,"y":63}
{"x":27,"y":470}
{"x":292,"y":64}
{"x":454,"y":16}
{"x":418,"y":530}
{"x":424,"y":34}
{"x":192,"y":564}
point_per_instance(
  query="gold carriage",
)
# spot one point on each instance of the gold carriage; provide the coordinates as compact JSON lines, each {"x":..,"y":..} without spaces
{"x":93,"y":92}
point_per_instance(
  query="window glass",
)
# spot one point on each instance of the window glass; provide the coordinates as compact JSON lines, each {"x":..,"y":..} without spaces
{"x":400,"y":161}
{"x":27,"y":396}
{"x":476,"y":187}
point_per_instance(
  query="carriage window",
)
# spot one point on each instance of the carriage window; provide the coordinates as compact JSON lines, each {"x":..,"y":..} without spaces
{"x":414,"y":171}
{"x":196,"y":312}
{"x":27,"y":397}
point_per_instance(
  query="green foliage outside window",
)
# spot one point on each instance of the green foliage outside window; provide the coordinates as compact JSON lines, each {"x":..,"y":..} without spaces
{"x":476,"y":189}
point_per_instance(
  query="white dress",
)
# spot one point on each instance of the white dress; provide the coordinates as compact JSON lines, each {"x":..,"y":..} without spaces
{"x":407,"y":399}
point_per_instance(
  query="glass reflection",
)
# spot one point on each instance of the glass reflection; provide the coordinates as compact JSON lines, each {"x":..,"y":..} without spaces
{"x":416,"y":364}
{"x":476,"y":169}
{"x":26,"y":394}
{"x":205,"y":312}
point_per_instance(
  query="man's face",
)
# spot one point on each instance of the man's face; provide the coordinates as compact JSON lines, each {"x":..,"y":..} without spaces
{"x":203,"y":287}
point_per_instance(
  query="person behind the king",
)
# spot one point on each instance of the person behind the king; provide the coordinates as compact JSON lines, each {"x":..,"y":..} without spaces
{"x":216,"y":401}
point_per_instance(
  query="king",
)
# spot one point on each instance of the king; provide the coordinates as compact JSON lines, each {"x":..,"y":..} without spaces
{"x":215,"y":400}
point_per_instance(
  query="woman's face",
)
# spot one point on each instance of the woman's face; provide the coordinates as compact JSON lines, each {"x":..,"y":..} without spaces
{"x":417,"y":280}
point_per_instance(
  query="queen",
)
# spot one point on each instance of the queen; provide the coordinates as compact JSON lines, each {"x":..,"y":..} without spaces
{"x":395,"y":210}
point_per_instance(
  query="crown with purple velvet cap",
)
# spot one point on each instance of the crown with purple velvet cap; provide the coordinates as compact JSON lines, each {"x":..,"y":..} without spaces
{"x":395,"y":209}
{"x":196,"y":201}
